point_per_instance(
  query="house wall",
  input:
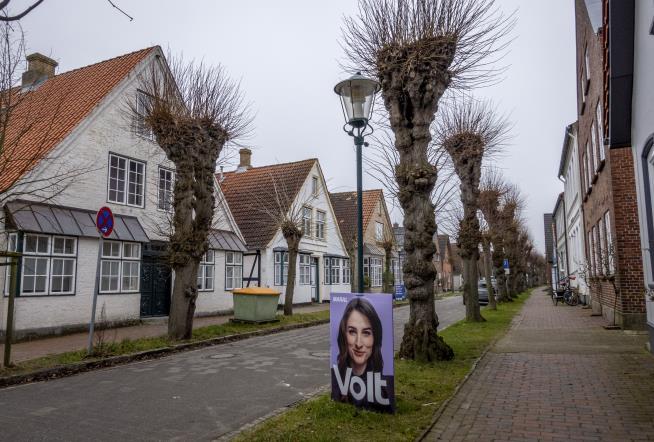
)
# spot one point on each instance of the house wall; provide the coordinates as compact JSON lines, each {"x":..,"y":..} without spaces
{"x":560,"y":241}
{"x":380,"y":215}
{"x":108,"y":129}
{"x":574,"y":218}
{"x":332,"y":245}
{"x":642,"y":132}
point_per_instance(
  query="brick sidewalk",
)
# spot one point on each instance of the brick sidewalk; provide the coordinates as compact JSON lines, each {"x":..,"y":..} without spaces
{"x":24,"y":351}
{"x":556,"y":376}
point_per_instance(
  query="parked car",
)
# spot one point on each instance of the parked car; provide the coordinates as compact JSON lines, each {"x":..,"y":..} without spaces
{"x":482,"y":290}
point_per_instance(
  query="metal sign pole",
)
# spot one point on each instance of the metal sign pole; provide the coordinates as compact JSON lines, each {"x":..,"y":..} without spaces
{"x":96,"y":289}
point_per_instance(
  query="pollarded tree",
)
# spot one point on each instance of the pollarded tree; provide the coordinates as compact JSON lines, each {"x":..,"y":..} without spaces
{"x":471,"y":132}
{"x":193,"y":110}
{"x":417,"y":49}
{"x":492,"y":188}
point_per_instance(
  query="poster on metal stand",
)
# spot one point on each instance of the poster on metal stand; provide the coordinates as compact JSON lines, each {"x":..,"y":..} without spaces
{"x":361,"y":357}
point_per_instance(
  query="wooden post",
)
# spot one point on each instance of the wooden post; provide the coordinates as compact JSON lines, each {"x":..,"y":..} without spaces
{"x":9,"y":331}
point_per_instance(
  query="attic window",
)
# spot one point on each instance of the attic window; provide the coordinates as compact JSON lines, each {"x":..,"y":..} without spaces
{"x":314,"y":186}
{"x":140,"y":127}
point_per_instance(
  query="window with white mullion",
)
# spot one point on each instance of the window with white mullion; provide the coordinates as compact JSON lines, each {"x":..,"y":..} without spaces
{"x":320,"y":224}
{"x":135,"y":183}
{"x":600,"y":130}
{"x":336,"y":270}
{"x":206,"y":271}
{"x":233,"y":270}
{"x":126,"y":181}
{"x":306,"y":221}
{"x":142,"y":105}
{"x":63,"y":246}
{"x":12,"y":246}
{"x":166,"y":180}
{"x":35,"y":275}
{"x":117,"y":179}
{"x":346,"y":271}
{"x":305,"y":269}
{"x":110,"y":276}
{"x":376,"y":272}
{"x":62,"y":276}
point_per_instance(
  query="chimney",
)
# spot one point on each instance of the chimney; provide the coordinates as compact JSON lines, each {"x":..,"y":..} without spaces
{"x":246,"y":160}
{"x":39,"y":69}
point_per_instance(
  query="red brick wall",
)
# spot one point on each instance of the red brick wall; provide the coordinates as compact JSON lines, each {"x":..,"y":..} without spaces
{"x":629,"y":263}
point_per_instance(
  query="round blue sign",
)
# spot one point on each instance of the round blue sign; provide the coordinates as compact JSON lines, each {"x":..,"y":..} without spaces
{"x":104,"y":221}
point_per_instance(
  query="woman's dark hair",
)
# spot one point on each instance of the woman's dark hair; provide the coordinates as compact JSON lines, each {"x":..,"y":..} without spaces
{"x":363,"y":306}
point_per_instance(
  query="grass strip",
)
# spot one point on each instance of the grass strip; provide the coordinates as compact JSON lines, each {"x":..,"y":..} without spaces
{"x":420,"y":390}
{"x":129,"y":346}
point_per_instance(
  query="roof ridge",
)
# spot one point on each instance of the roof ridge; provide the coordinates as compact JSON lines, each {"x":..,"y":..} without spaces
{"x":354,"y":191}
{"x":107,"y":60}
{"x":272,"y":165}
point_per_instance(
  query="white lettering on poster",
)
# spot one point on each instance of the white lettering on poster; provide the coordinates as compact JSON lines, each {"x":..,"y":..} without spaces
{"x":373,"y":385}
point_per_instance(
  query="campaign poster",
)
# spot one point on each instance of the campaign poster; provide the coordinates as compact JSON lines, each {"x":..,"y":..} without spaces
{"x":361,"y":337}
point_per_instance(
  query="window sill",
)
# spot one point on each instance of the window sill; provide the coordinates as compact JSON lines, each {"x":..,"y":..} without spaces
{"x":42,"y":295}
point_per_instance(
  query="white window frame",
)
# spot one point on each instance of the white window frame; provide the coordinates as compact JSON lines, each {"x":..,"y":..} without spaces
{"x":327,"y":271}
{"x":207,"y":265}
{"x":140,"y":128}
{"x":127,"y":181}
{"x":281,"y":268}
{"x":314,"y":186}
{"x":307,"y":220}
{"x":376,"y":268}
{"x":50,"y":257}
{"x":610,"y":247}
{"x":336,"y":270}
{"x":321,"y":217}
{"x":600,"y":129}
{"x":379,"y":231}
{"x":164,"y":195}
{"x":233,"y":264}
{"x":12,"y":237}
{"x":305,"y":269}
{"x":37,"y":256}
{"x":366,"y":267}
{"x":346,"y":271}
{"x":120,"y":259}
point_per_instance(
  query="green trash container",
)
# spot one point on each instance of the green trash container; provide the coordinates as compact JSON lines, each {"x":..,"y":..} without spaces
{"x":255,"y":304}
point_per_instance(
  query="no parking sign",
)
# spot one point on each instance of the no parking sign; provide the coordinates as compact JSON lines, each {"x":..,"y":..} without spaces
{"x":104,"y":221}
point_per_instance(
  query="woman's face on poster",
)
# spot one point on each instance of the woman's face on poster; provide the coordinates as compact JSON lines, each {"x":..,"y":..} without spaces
{"x":360,"y":341}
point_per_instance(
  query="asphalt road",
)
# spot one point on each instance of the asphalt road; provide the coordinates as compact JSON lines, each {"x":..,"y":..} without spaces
{"x":197,"y":395}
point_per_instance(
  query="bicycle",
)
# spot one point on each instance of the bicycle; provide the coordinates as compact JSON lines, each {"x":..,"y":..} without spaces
{"x":566,"y":294}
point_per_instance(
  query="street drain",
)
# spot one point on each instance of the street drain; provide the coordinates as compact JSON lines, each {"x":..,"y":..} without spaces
{"x":320,"y":354}
{"x":222,"y":356}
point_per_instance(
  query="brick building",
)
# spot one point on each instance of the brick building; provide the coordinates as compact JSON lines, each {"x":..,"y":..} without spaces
{"x":608,"y":184}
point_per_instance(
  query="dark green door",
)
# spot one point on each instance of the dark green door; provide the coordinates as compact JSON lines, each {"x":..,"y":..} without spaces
{"x":155,"y":288}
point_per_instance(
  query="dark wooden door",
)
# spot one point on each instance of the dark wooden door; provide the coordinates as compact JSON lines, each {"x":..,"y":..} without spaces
{"x":155,"y":288}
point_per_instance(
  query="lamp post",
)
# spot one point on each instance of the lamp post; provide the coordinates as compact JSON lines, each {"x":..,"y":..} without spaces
{"x":357,"y":98}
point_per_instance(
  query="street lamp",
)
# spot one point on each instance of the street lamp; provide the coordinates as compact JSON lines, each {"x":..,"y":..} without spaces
{"x":357,"y":98}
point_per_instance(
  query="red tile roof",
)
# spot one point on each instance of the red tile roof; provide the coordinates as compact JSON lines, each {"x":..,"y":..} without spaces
{"x":251,"y":196}
{"x":345,"y":208}
{"x":44,"y":117}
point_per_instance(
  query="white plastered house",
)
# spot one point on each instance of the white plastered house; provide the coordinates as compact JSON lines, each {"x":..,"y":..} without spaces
{"x":323,"y":265}
{"x":93,"y":153}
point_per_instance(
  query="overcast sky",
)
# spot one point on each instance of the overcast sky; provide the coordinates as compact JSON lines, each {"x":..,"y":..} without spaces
{"x":286,"y":54}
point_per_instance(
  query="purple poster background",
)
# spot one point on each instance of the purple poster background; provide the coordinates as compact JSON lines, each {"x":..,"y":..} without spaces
{"x":383,"y":305}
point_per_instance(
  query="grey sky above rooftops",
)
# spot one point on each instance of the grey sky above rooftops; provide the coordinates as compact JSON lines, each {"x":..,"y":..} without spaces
{"x":286,"y":55}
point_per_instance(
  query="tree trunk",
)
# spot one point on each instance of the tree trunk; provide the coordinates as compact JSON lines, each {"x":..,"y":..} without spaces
{"x":492,"y":305}
{"x":293,"y":242}
{"x":388,"y":286}
{"x":469,"y":170}
{"x":411,"y":90}
{"x":182,"y":305}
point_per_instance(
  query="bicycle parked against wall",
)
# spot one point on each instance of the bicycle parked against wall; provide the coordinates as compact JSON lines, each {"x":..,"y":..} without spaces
{"x":566,"y":293}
